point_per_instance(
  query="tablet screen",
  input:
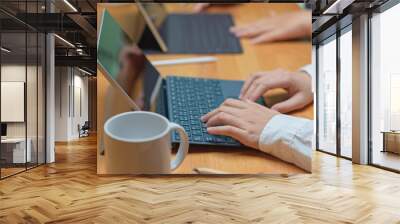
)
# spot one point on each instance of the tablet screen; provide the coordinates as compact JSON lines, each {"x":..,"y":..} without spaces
{"x":126,"y":66}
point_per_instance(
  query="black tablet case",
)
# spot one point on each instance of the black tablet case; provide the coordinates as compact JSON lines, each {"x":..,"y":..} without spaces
{"x":194,"y":34}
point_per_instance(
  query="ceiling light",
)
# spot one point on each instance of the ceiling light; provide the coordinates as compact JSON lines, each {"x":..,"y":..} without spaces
{"x":5,"y":50}
{"x":84,"y":71}
{"x":337,"y":7}
{"x":79,"y":51}
{"x":65,"y":41}
{"x":70,"y":5}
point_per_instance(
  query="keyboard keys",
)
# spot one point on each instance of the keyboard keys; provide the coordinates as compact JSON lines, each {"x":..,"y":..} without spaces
{"x":209,"y":139}
{"x":220,"y":139}
{"x":195,"y":127}
{"x":190,"y":99}
{"x":194,"y":111}
{"x":196,"y":132}
{"x":197,"y":138}
{"x":194,"y":117}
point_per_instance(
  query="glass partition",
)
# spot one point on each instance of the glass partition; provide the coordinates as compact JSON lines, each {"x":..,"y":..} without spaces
{"x":14,"y":153}
{"x":327,"y":96}
{"x":22,"y":93}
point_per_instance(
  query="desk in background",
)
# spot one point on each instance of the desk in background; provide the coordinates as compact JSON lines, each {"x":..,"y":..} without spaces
{"x":291,"y":55}
{"x":391,"y":141}
{"x":13,"y":151}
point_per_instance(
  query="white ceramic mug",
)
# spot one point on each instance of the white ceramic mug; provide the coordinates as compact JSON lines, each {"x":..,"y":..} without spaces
{"x":139,"y":142}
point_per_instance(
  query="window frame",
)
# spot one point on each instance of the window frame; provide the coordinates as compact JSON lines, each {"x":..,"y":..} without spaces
{"x":381,"y":9}
{"x":333,"y":37}
{"x":341,"y":25}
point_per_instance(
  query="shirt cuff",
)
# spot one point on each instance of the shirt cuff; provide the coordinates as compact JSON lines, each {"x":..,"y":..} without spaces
{"x":288,"y":138}
{"x":309,"y":70}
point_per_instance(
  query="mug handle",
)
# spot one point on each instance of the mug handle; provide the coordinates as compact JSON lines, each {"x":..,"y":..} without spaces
{"x":183,"y":145}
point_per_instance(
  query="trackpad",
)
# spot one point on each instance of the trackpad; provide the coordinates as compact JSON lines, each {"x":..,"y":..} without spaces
{"x":231,"y":89}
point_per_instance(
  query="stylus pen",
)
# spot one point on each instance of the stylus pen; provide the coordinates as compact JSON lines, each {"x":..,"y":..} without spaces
{"x":202,"y":170}
{"x":184,"y":61}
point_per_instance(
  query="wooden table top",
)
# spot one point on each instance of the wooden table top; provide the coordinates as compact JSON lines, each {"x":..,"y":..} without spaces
{"x":262,"y":57}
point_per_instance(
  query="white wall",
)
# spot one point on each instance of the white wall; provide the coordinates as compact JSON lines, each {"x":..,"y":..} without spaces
{"x":16,"y":73}
{"x":70,"y":84}
{"x":81,"y":84}
{"x":12,"y":73}
{"x":61,"y":104}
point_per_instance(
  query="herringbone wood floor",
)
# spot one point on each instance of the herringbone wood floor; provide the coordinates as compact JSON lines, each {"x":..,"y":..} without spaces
{"x":69,"y":191}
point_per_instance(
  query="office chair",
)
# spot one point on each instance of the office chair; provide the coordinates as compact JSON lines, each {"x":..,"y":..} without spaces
{"x":84,"y":130}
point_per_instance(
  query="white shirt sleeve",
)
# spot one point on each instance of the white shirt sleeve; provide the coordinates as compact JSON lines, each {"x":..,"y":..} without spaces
{"x":310,"y":70}
{"x":288,"y":138}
